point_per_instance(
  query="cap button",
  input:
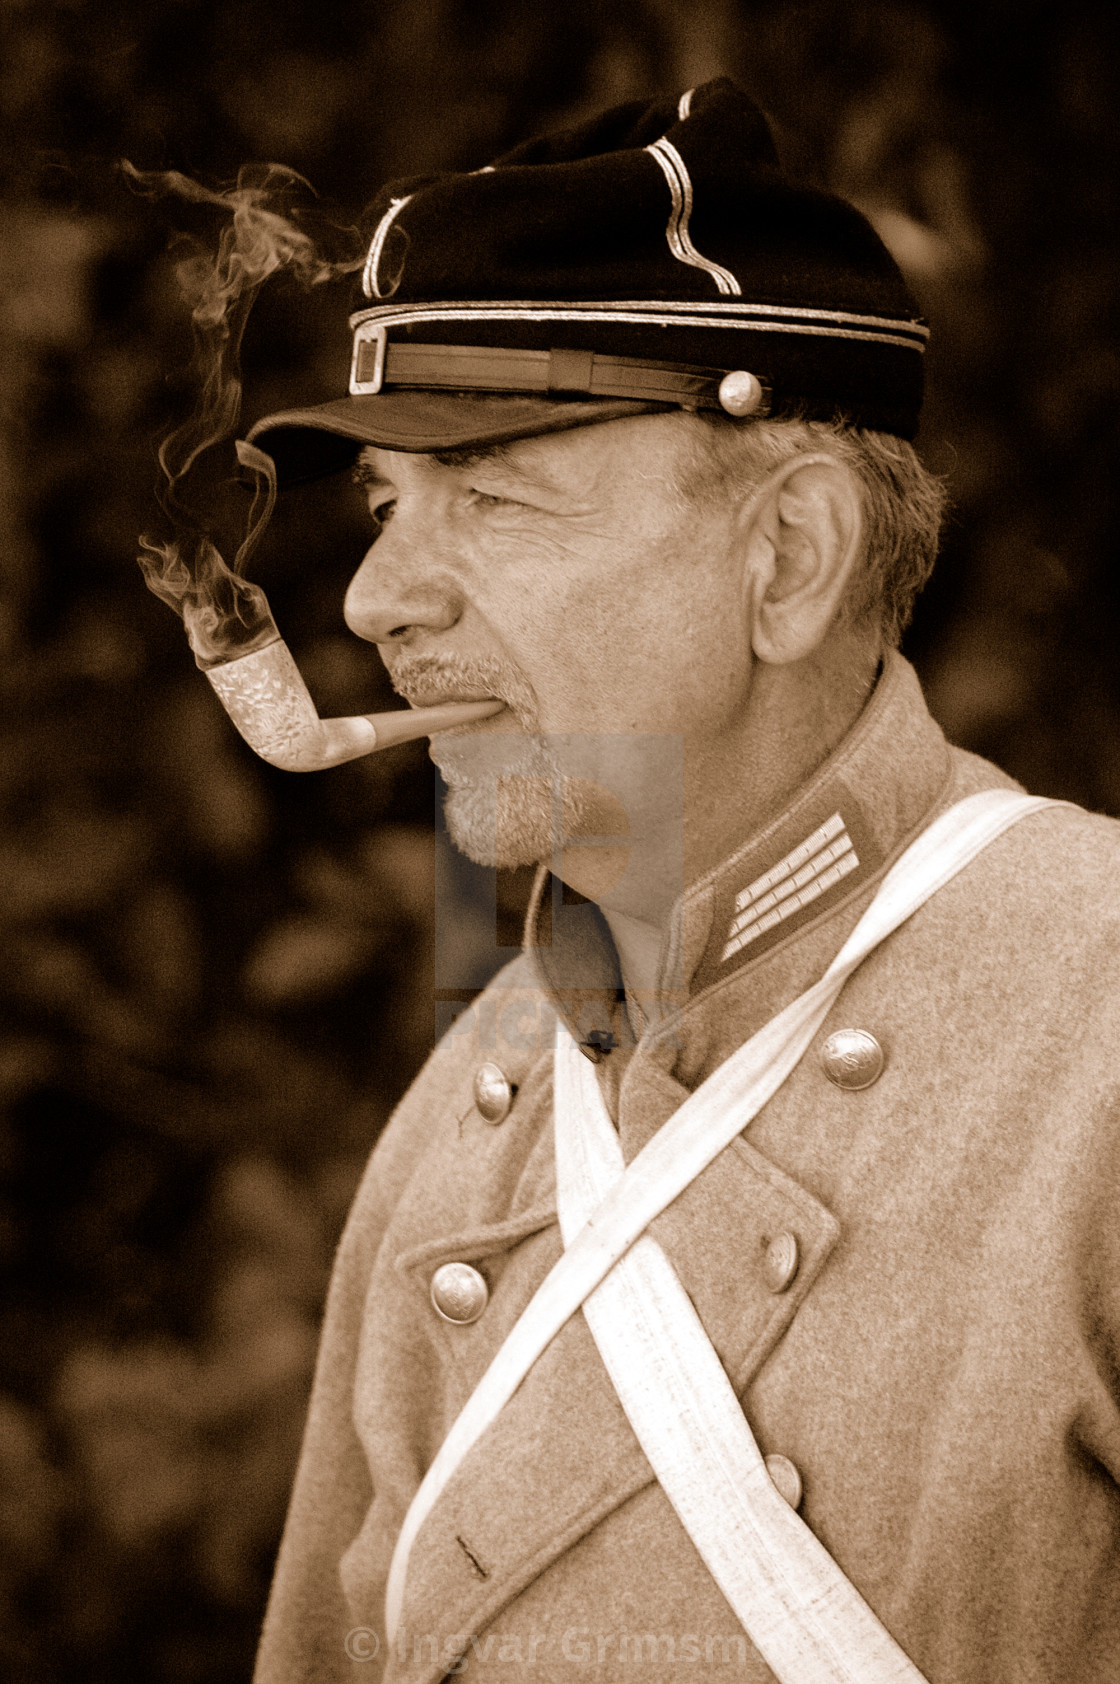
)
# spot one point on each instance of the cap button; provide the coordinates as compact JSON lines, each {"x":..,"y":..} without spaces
{"x":780,"y":1261}
{"x":852,"y":1058}
{"x":786,"y":1478}
{"x":459,"y":1292}
{"x":493,"y":1093}
{"x":741,"y":393}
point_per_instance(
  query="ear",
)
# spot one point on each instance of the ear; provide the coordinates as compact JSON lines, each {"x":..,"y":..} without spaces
{"x":803,"y":535}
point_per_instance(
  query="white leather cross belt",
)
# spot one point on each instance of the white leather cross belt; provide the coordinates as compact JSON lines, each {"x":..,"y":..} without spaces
{"x":803,"y":1615}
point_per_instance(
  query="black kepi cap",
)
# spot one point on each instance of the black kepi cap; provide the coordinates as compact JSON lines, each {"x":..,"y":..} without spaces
{"x":653,"y":258}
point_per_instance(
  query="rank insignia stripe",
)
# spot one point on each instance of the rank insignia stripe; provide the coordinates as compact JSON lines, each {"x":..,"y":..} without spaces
{"x":824,"y":833}
{"x":808,"y":879}
{"x":801,"y":891}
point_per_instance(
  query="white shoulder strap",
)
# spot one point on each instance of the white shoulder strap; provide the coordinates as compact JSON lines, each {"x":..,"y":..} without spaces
{"x":803,"y":1615}
{"x":703,"y":1126}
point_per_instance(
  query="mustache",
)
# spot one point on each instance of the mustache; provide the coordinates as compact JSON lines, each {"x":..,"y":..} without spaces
{"x":425,"y":680}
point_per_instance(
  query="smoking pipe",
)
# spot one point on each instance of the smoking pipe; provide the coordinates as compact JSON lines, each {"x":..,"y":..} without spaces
{"x":237,"y":645}
{"x":265,"y":696}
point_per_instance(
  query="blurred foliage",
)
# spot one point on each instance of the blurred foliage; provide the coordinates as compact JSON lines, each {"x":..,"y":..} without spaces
{"x":217,"y":978}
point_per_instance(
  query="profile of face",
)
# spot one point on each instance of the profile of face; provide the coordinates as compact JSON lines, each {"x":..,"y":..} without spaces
{"x":572,"y":577}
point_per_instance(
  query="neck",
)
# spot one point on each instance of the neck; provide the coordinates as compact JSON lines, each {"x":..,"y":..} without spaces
{"x":729,"y":786}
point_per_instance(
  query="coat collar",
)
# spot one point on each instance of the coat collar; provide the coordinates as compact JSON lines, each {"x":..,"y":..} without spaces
{"x":838,"y":835}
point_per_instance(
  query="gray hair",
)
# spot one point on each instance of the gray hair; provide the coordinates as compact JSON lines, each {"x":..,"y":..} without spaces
{"x":903,"y":503}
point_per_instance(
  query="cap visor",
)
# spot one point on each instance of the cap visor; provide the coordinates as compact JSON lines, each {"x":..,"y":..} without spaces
{"x":305,"y":444}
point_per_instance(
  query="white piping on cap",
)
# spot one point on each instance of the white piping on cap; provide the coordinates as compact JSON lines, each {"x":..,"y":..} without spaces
{"x":765,"y":318}
{"x":685,"y":307}
{"x":674,"y":170}
{"x":370,"y":285}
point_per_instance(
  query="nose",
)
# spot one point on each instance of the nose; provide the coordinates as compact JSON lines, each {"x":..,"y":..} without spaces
{"x":402,"y":589}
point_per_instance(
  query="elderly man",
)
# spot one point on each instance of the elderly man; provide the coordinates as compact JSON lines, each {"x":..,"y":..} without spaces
{"x":736,"y":1290}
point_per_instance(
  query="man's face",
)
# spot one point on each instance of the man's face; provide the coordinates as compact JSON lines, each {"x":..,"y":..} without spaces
{"x":570,"y":576}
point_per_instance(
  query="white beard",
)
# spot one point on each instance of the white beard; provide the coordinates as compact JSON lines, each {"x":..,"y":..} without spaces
{"x":507,"y":802}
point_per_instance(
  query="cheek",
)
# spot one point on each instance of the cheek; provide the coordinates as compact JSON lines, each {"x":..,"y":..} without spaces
{"x":525,"y":588}
{"x":537,"y":594}
{"x":633,"y":630}
{"x":657,"y":660}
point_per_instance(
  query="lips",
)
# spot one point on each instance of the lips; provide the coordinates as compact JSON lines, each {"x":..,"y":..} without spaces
{"x":431,"y":695}
{"x":428,"y":680}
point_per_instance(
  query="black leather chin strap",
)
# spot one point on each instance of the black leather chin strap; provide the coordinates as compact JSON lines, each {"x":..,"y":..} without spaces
{"x":556,"y":373}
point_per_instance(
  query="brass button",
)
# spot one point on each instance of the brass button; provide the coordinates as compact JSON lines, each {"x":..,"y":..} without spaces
{"x":459,"y":1292}
{"x":780,"y":1261}
{"x":852,"y":1058}
{"x":493,"y":1094}
{"x":786,"y":1478}
{"x":741,"y":393}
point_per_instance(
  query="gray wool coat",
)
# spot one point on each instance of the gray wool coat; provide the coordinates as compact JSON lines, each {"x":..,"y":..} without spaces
{"x":943,"y":1369}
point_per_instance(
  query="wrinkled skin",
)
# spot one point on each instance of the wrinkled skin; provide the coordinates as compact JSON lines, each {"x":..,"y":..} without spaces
{"x":672,"y":659}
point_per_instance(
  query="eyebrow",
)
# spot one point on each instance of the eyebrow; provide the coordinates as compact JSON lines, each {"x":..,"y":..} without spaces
{"x":465,"y":458}
{"x":500,"y":456}
{"x":363,"y":471}
{"x":470,"y":454}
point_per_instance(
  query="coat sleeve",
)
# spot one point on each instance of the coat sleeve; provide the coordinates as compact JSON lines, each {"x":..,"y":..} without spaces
{"x":303,"y":1641}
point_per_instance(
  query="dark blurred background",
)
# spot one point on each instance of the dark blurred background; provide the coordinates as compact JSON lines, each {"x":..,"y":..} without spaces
{"x":217,"y":978}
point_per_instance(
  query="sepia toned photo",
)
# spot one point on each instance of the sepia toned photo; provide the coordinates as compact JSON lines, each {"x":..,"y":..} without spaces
{"x":559,"y":852}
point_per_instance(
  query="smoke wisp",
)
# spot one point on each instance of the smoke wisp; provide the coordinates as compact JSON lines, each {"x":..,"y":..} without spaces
{"x":225,"y":615}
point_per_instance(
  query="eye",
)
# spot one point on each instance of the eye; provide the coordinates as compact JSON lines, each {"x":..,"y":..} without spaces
{"x":382,"y":509}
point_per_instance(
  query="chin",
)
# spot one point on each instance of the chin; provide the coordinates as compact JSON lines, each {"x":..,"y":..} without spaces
{"x":501,"y":806}
{"x":521,"y":834}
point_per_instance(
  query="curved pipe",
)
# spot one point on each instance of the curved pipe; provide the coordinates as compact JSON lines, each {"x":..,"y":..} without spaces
{"x":265,"y":696}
